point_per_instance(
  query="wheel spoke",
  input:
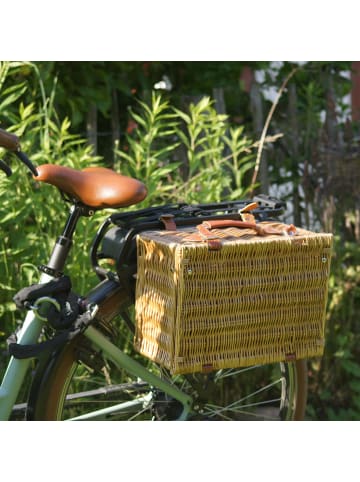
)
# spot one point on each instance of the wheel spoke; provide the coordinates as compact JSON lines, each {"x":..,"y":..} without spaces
{"x":249,"y":393}
{"x":262,"y":389}
{"x":234,"y":372}
{"x":237,"y":406}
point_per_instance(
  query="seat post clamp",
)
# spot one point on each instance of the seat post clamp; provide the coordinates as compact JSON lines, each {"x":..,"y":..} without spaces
{"x":50,"y":271}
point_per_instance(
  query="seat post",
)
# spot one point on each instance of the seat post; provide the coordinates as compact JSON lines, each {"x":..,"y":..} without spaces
{"x":63,"y":244}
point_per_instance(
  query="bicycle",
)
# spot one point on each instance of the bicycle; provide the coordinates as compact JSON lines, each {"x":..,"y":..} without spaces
{"x":86,"y":368}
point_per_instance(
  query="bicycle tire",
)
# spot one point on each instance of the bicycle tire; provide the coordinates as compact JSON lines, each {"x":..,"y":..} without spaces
{"x":54,"y":396}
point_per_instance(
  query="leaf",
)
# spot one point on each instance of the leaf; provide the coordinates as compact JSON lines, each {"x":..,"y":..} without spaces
{"x":14,"y":88}
{"x":65,"y":126}
{"x":6,"y":287}
{"x":183,"y":137}
{"x":162,"y":171}
{"x":11,"y":99}
{"x":183,"y":116}
{"x":203,"y":104}
{"x":12,"y":216}
{"x":125,"y":156}
{"x":25,"y":112}
{"x":351,"y":367}
{"x":355,"y":385}
{"x":138,"y":119}
{"x":167,"y":149}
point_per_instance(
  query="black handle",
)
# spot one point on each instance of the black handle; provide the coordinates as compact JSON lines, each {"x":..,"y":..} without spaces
{"x":12,"y":143}
{"x":23,"y":158}
{"x":9,"y":141}
{"x":4,"y":167}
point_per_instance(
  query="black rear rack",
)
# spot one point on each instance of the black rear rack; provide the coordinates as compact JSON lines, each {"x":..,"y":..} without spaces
{"x":268,"y":207}
{"x":133,"y":222}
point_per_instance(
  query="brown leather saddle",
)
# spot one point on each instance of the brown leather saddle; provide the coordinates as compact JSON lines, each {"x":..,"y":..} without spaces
{"x":95,"y":187}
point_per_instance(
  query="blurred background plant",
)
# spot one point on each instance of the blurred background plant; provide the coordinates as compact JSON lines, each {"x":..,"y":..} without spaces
{"x":189,"y":130}
{"x":186,"y":157}
{"x":30,"y":215}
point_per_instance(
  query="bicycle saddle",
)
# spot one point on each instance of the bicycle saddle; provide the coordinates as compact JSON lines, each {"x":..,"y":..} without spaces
{"x":96,"y":187}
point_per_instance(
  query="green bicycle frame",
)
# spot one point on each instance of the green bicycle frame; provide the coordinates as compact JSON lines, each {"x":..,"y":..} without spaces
{"x":16,"y":371}
{"x":33,"y":325}
{"x":136,"y":369}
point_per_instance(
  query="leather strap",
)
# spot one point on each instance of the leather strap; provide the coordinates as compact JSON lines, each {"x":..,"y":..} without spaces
{"x":214,"y":242}
{"x":261,"y":230}
{"x":204,"y":234}
{"x":245,"y":213}
{"x":168,"y":221}
{"x":250,"y":207}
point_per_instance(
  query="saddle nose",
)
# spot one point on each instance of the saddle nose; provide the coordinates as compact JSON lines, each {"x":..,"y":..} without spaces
{"x":95,"y":187}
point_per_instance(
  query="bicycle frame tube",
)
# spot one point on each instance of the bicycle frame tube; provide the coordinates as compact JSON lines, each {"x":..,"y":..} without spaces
{"x":135,"y":368}
{"x":32,"y":326}
{"x":16,"y":369}
{"x":139,"y":402}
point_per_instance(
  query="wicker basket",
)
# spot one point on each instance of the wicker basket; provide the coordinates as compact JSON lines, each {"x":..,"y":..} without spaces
{"x":257,"y":300}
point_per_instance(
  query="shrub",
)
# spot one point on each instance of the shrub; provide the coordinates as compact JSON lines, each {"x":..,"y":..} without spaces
{"x":31,"y":216}
{"x":192,"y":156}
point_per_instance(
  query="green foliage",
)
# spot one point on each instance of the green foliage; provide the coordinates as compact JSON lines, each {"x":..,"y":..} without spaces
{"x":335,"y":379}
{"x":147,"y":154}
{"x":218,"y":156}
{"x":81,"y":84}
{"x":32,"y":215}
{"x":192,"y":156}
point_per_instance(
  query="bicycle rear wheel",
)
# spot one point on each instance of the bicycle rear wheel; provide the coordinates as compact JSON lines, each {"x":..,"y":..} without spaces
{"x":79,"y":380}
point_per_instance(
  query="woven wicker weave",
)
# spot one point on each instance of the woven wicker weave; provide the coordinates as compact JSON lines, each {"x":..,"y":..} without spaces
{"x":257,"y":300}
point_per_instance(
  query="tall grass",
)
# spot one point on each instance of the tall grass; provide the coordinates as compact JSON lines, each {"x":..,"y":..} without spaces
{"x":191,"y":156}
{"x":31,"y":214}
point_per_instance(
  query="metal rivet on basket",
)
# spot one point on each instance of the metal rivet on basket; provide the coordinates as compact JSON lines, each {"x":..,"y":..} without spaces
{"x":190,"y":271}
{"x":324,"y":259}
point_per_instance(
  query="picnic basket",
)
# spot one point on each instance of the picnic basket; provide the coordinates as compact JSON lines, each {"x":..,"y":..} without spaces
{"x":230,"y":295}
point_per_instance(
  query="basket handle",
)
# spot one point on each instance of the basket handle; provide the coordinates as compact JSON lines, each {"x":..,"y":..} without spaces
{"x":261,"y":230}
{"x":214,"y":242}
